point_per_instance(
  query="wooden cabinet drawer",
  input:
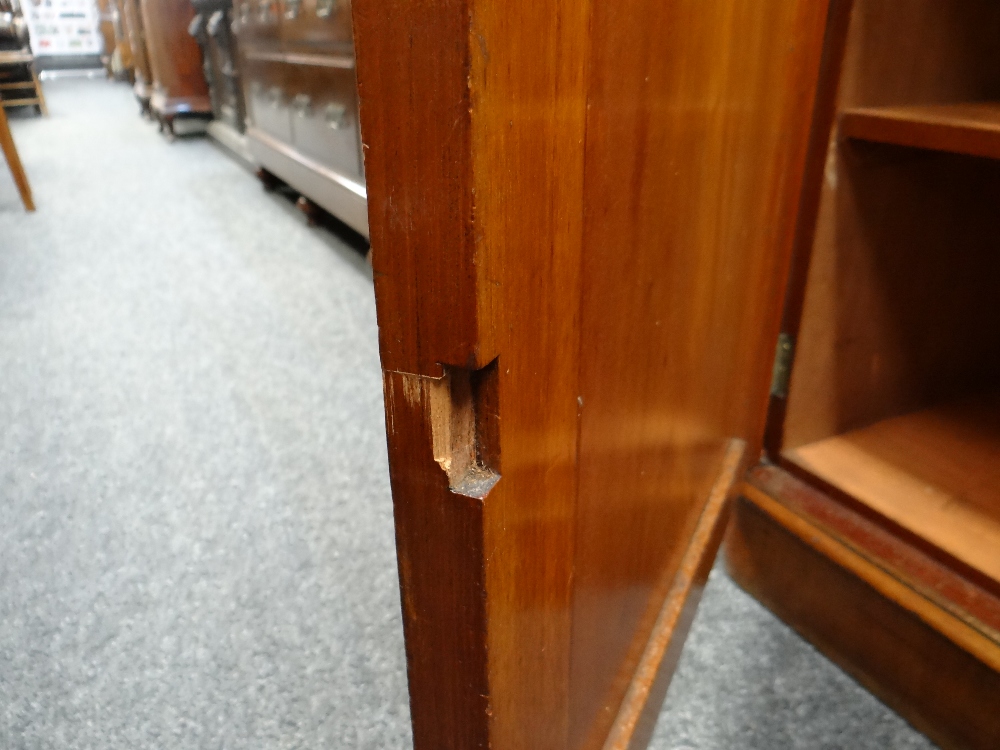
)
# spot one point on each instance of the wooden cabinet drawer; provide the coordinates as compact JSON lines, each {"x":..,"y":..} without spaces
{"x":312,"y":26}
{"x":267,"y":98}
{"x":258,"y":24}
{"x":324,"y":114}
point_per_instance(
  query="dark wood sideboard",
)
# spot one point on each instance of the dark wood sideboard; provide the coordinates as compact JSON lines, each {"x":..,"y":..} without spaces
{"x":212,"y":27}
{"x":298,"y":71}
{"x":142,"y":74}
{"x":179,"y":88}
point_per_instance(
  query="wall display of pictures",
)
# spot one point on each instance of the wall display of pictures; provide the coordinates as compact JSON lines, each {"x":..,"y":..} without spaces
{"x":63,"y":27}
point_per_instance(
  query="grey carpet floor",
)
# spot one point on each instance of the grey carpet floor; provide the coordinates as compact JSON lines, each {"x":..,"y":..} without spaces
{"x":196,"y":543}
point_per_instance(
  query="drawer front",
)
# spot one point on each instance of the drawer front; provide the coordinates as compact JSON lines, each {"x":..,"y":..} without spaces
{"x":267,"y":98}
{"x":324,"y":106}
{"x":317,"y":26}
{"x":258,"y":24}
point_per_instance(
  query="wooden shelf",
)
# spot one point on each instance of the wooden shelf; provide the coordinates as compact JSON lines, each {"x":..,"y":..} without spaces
{"x":972,"y":129}
{"x":935,"y":472}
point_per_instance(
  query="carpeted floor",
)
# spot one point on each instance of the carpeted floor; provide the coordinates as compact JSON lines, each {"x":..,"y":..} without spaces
{"x":196,"y":544}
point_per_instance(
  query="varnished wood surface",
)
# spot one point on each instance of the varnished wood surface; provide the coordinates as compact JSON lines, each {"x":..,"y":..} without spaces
{"x":106,"y":28}
{"x":14,"y":163}
{"x":891,"y":569}
{"x":473,"y":130}
{"x":913,"y":52}
{"x":123,"y":41}
{"x":925,"y":662}
{"x":935,"y":472}
{"x":257,"y":31}
{"x":132,"y":19}
{"x":631,"y":309}
{"x":339,"y":195}
{"x":972,"y":129}
{"x":300,"y":92}
{"x":174,"y":56}
{"x":19,"y":76}
{"x":697,"y":128}
{"x":640,"y":709}
{"x":812,"y":193}
{"x":344,"y":62}
{"x":962,"y":591}
{"x":899,"y":311}
{"x":317,"y":92}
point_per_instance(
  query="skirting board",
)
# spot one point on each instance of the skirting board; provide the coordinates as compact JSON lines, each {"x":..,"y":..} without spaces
{"x":343,"y":197}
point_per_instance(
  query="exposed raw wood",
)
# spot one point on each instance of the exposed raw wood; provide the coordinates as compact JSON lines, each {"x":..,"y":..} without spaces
{"x":935,"y":472}
{"x":972,"y":129}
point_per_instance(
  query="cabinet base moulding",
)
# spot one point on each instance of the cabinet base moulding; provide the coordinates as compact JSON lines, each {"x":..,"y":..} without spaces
{"x":341,"y":196}
{"x":878,"y":627}
{"x":233,"y":141}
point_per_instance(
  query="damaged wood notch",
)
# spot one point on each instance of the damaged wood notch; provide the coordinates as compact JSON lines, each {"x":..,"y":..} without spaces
{"x":465,"y":428}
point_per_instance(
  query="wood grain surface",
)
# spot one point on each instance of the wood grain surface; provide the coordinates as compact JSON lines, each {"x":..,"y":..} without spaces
{"x":972,"y":129}
{"x":174,"y":56}
{"x":909,"y":52}
{"x":935,"y":472}
{"x":132,"y":21}
{"x":891,"y":321}
{"x":13,"y":160}
{"x":931,"y":665}
{"x":602,"y":204}
{"x":898,"y":303}
{"x":473,"y":123}
{"x":899,"y":310}
{"x":883,"y":548}
{"x":697,"y":134}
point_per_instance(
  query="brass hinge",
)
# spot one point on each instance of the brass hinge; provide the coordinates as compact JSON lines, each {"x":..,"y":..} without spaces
{"x":782,"y":371}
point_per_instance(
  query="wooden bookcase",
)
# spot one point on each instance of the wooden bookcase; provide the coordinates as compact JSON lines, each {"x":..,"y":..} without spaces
{"x":891,"y":417}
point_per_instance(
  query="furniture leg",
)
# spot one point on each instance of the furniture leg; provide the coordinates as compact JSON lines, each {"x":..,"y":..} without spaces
{"x":42,"y":106}
{"x":270,"y":181}
{"x":14,"y":162}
